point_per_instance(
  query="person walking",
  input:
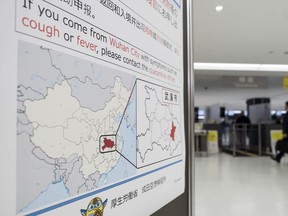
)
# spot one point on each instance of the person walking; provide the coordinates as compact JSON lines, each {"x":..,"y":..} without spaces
{"x":282,"y":145}
{"x":242,"y":128}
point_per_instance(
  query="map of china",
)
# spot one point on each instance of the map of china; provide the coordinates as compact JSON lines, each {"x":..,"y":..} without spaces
{"x":62,"y":128}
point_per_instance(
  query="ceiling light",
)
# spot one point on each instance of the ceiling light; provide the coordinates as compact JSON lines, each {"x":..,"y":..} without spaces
{"x":219,"y":8}
{"x":240,"y":67}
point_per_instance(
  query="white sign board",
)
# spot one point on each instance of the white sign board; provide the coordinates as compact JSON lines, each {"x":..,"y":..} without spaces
{"x":96,"y":89}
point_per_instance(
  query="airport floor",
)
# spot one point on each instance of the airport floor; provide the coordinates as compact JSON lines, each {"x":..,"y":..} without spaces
{"x":241,"y":186}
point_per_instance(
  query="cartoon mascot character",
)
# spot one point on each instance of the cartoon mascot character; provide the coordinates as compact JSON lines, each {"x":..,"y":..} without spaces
{"x":95,"y":208}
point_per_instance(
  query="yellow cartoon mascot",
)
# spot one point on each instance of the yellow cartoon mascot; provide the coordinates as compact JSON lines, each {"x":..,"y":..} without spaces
{"x":95,"y":208}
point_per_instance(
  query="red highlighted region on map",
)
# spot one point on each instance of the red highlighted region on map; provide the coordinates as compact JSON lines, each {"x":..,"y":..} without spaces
{"x":108,"y":143}
{"x":172,"y":133}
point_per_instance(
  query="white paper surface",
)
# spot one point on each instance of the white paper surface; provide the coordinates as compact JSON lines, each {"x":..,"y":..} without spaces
{"x":92,"y":110}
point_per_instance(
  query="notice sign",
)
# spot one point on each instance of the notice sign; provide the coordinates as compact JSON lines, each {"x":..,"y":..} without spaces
{"x":245,"y":82}
{"x":100,"y":126}
{"x":212,"y":144}
{"x":275,"y":136}
{"x":285,"y":82}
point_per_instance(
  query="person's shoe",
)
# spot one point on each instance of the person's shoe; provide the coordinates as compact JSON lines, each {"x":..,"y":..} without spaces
{"x":275,"y":159}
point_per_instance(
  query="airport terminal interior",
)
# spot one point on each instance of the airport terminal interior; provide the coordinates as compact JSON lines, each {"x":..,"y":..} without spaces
{"x":104,"y":107}
{"x":240,"y":67}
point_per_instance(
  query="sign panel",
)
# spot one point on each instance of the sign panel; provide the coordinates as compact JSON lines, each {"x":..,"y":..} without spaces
{"x":275,"y":136}
{"x":285,"y":82}
{"x":245,"y":82}
{"x":212,"y":142}
{"x":100,"y":127}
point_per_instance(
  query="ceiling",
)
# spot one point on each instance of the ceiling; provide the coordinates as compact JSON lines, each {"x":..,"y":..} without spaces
{"x":245,"y":32}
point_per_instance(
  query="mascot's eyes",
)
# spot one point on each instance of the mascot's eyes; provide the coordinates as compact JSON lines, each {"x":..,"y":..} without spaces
{"x":98,"y":204}
{"x":90,"y":207}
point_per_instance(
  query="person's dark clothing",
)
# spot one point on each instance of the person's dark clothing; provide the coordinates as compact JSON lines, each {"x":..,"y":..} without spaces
{"x":282,"y":145}
{"x":243,"y":120}
{"x":285,"y":124}
{"x":278,"y":156}
{"x":240,"y":122}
